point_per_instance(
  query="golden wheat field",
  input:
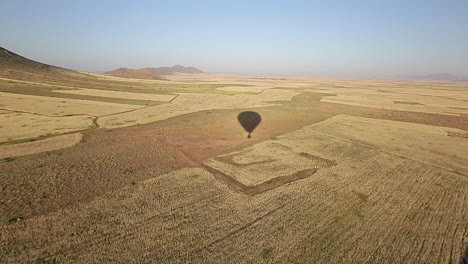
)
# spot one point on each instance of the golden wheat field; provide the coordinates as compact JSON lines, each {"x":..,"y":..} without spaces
{"x":102,"y":169}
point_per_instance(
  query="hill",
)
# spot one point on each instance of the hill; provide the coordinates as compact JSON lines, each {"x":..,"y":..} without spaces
{"x":14,"y":66}
{"x":9,"y":59}
{"x":12,"y":61}
{"x":152,"y":73}
{"x":22,"y":75}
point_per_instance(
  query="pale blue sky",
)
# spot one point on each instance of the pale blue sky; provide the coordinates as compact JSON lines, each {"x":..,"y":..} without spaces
{"x":318,"y":38}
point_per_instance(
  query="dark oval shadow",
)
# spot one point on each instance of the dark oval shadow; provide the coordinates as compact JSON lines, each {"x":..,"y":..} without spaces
{"x":249,"y":120}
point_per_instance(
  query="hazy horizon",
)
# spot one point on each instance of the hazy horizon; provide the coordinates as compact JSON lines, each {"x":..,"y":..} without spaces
{"x":303,"y":38}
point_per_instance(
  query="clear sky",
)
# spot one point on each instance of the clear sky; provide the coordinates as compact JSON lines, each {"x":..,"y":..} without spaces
{"x":375,"y":38}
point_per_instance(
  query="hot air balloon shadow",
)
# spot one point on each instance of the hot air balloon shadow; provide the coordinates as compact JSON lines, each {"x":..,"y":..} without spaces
{"x":249,"y":121}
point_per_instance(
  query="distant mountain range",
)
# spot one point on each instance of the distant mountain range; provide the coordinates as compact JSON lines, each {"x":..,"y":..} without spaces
{"x":152,"y":73}
{"x":434,"y":77}
{"x":11,"y":64}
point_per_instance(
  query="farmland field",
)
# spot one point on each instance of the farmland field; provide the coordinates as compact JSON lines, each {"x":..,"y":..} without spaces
{"x":102,"y":169}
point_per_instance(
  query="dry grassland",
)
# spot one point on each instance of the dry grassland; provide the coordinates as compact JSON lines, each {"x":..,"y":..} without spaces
{"x":373,"y":206}
{"x":33,"y":147}
{"x":422,"y":143}
{"x":117,"y":94}
{"x":253,"y":89}
{"x":190,"y":102}
{"x":240,"y":80}
{"x":328,"y":177}
{"x":51,"y":106}
{"x":264,"y":162}
{"x":115,"y":106}
{"x":386,"y":100}
{"x":431,"y":97}
{"x":16,"y":126}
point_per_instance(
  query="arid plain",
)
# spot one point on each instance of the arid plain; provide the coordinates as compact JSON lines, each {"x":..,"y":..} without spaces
{"x":101,"y":169}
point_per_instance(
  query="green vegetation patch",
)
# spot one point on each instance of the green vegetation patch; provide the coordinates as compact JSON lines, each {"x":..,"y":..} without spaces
{"x":8,"y":159}
{"x":18,"y":141}
{"x":12,"y":220}
{"x":359,"y":214}
{"x":267,"y":253}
